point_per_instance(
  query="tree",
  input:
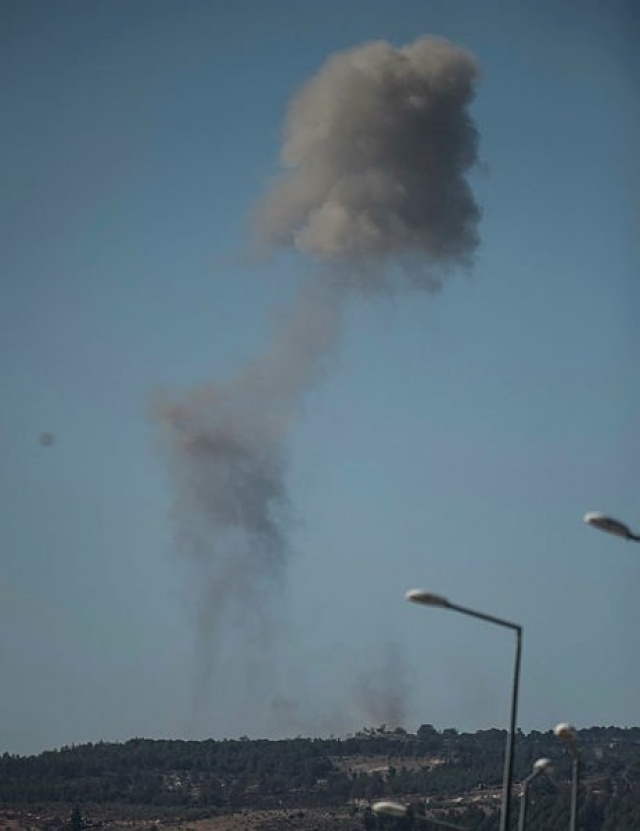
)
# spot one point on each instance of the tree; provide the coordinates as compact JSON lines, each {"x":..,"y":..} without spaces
{"x":429,"y":736}
{"x":76,"y":820}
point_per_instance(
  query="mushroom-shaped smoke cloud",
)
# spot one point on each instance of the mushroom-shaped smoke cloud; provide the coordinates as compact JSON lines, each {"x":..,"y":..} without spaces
{"x":376,"y":152}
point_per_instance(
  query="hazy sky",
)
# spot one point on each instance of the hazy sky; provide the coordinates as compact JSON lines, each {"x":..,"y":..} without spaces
{"x":452,"y":441}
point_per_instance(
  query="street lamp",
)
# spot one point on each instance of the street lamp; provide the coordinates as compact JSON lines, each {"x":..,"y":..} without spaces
{"x":539,"y":766}
{"x":566,"y":733}
{"x":429,"y":599}
{"x":610,"y":525}
{"x":397,"y":809}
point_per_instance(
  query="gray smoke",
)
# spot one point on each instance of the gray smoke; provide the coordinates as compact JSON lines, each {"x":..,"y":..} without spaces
{"x":227,"y":452}
{"x":381,"y":693}
{"x":377,"y":147}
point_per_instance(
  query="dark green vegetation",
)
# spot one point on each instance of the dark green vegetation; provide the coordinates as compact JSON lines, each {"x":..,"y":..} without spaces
{"x":447,"y":774}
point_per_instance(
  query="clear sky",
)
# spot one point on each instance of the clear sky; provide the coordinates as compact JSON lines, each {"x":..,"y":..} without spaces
{"x":453,"y":443}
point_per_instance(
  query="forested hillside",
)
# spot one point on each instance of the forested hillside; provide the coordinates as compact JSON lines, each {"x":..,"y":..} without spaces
{"x":443,"y":773}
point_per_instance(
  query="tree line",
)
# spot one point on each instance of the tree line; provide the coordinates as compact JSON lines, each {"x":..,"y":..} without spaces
{"x":428,"y":769}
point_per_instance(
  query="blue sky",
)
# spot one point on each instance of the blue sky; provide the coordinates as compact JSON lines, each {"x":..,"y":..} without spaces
{"x":454,"y":442}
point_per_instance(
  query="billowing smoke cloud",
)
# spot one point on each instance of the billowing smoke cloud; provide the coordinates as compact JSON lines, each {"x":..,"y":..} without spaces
{"x":377,"y":148}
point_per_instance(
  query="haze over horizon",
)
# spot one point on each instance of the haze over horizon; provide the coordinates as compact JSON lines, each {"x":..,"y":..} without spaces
{"x":222,"y":468}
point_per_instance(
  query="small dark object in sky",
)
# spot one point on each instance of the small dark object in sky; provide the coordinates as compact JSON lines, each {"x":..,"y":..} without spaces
{"x":46,"y":439}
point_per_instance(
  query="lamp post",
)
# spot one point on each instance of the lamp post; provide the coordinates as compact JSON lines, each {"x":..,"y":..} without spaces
{"x":428,"y":599}
{"x":610,"y":525}
{"x":566,"y":733}
{"x":390,"y":808}
{"x":539,"y":766}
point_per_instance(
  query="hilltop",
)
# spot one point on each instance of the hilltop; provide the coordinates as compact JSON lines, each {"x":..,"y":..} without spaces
{"x":311,"y":783}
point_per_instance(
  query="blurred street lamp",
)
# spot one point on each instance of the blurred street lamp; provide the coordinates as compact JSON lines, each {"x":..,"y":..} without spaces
{"x":539,"y":766}
{"x":397,"y":809}
{"x":566,"y":733}
{"x":610,"y":525}
{"x":428,"y":599}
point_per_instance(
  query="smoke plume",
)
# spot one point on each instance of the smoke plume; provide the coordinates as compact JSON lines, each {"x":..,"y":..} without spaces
{"x":382,"y":692}
{"x":227,"y":452}
{"x":377,"y":147}
{"x":376,"y":151}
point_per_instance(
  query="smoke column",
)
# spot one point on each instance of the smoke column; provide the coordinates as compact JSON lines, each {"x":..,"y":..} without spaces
{"x":376,"y":151}
{"x":382,"y":692}
{"x":226,"y":448}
